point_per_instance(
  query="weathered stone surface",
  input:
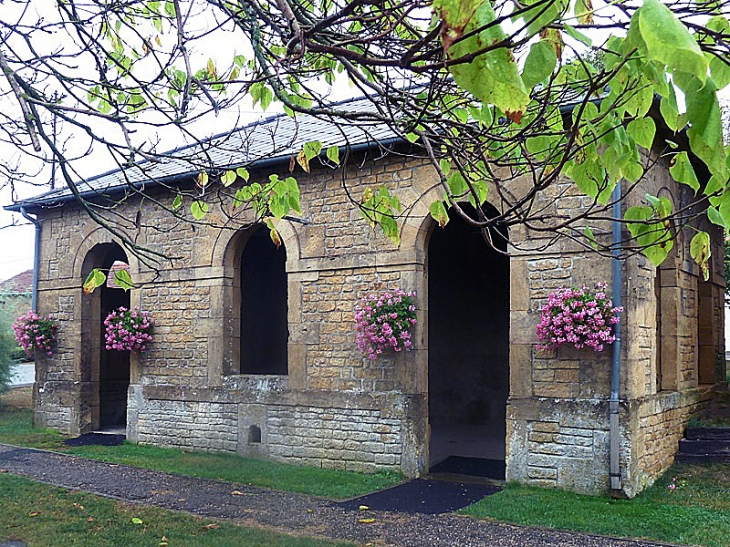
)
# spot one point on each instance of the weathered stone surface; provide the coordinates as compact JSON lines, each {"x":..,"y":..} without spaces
{"x":336,"y":409}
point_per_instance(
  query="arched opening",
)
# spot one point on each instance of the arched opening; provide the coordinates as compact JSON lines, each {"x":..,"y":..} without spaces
{"x":468,"y":349}
{"x":105,"y":373}
{"x":264,"y":323}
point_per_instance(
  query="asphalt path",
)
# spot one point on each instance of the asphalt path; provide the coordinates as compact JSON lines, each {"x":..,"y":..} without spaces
{"x":284,"y":512}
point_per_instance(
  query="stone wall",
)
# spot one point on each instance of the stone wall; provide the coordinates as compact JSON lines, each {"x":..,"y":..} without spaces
{"x":334,"y":408}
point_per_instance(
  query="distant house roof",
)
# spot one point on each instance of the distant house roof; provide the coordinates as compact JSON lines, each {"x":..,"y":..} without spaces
{"x":272,"y":140}
{"x":20,"y":284}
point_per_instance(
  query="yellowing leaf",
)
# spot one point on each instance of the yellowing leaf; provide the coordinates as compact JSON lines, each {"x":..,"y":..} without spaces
{"x":237,"y":493}
{"x":303,"y":161}
{"x":95,"y":279}
{"x":363,"y":508}
{"x":699,"y":249}
{"x":491,"y":77}
{"x":202,"y":178}
{"x":273,"y":233}
{"x":366,"y":521}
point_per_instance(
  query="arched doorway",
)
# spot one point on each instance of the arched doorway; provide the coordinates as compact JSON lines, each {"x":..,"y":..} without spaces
{"x":264,"y":332}
{"x":105,"y":373}
{"x":468,"y":348}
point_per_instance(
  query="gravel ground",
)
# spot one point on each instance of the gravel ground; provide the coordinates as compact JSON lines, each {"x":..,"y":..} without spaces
{"x":285,"y":512}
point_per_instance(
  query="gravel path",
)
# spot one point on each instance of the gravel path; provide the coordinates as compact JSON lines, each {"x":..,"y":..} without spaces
{"x":289,"y":513}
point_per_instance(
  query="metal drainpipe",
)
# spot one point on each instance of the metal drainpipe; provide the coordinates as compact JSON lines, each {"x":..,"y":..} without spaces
{"x":36,"y":256}
{"x":613,"y":405}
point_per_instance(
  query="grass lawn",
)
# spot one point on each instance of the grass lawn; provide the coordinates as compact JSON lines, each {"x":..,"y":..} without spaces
{"x":16,"y":428}
{"x":695,"y":512}
{"x":42,"y":515}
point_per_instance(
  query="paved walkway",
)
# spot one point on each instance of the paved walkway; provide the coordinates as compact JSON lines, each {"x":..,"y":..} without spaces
{"x":285,"y":512}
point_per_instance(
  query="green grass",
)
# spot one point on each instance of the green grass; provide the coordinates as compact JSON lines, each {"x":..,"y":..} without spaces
{"x":45,"y":516}
{"x":696,"y":512}
{"x":16,"y":428}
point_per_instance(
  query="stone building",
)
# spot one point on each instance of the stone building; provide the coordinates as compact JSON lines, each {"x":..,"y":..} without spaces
{"x":255,"y":351}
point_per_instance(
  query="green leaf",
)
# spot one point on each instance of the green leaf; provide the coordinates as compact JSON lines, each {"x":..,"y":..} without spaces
{"x":715,"y":217}
{"x":312,"y":149}
{"x":457,"y":184}
{"x":228,"y":178}
{"x":576,"y":34}
{"x":539,"y":64}
{"x":590,"y":237}
{"x":136,"y":520}
{"x":438,"y":213}
{"x":492,"y":77}
{"x":700,"y":250}
{"x":667,"y":40}
{"x":705,"y":127}
{"x":199,"y":209}
{"x":682,"y":171}
{"x":669,"y":109}
{"x":123,"y":280}
{"x":651,"y":233}
{"x":642,"y":131}
{"x":177,"y":202}
{"x":96,"y":278}
{"x":242,"y":172}
{"x":333,"y":154}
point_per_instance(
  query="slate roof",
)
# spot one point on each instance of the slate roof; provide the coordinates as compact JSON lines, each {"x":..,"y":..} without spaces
{"x":272,"y":140}
{"x":20,"y":284}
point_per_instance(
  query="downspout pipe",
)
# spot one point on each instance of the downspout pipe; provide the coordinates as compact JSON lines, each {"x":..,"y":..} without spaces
{"x":36,"y":256}
{"x":613,"y":404}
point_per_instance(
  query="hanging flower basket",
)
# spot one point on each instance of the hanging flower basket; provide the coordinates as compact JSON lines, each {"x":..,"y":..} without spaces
{"x":35,"y":334}
{"x":384,"y":321}
{"x":578,"y":317}
{"x":128,"y":330}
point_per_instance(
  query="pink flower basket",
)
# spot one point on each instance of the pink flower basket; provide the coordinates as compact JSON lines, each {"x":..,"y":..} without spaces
{"x":578,"y":317}
{"x":384,"y":321}
{"x":35,"y":334}
{"x":128,"y":330}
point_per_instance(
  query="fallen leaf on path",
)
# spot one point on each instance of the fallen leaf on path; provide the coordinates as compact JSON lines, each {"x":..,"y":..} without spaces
{"x":238,"y":493}
{"x":366,"y":521}
{"x":363,"y":508}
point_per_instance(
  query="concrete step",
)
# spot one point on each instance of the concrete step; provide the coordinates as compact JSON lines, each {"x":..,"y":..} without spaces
{"x":702,"y":458}
{"x":709,"y":433}
{"x":705,"y":446}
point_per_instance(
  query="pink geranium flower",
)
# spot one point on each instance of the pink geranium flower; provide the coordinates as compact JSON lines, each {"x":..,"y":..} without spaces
{"x":128,"y":330}
{"x":383,"y":322}
{"x":579,"y":317}
{"x":35,"y":333}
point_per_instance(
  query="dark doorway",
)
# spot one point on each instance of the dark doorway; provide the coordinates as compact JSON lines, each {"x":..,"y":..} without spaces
{"x":113,"y":364}
{"x":264,"y":323}
{"x":468,"y":342}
